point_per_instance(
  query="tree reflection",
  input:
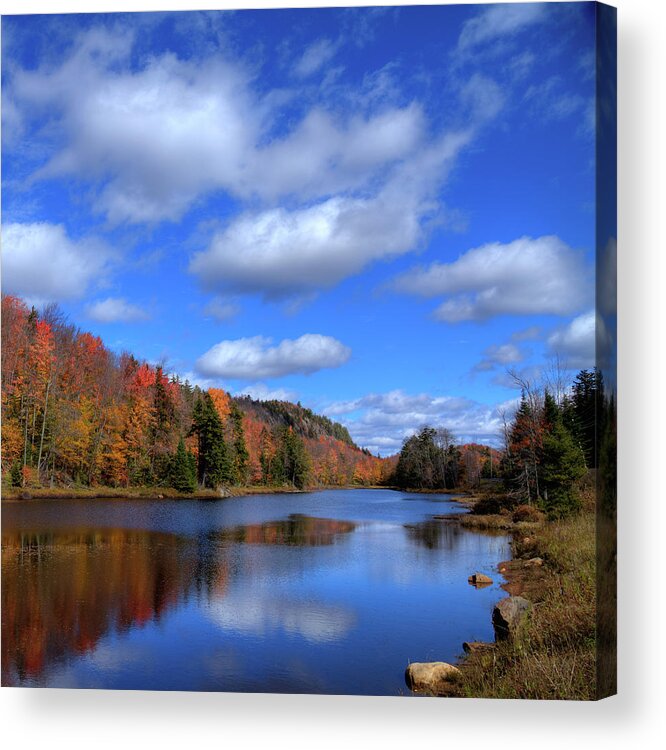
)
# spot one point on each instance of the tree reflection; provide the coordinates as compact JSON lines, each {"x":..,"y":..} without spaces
{"x":434,"y":534}
{"x":296,"y":531}
{"x":62,"y":592}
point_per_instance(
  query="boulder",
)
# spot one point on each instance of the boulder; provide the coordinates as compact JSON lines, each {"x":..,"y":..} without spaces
{"x":479,"y":579}
{"x":473,"y":647}
{"x":509,"y":615}
{"x":433,"y":678}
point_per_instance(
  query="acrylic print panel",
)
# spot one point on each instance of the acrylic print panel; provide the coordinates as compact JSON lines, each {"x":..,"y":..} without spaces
{"x":308,"y":351}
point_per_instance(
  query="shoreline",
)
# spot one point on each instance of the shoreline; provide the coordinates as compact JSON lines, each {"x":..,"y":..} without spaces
{"x":551,"y":653}
{"x":19,"y":494}
{"x":22,"y":494}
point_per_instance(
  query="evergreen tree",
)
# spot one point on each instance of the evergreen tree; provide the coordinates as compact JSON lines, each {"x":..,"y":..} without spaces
{"x":562,"y":464}
{"x":183,"y":469}
{"x":292,"y":462}
{"x":215,"y":466}
{"x":588,"y":406}
{"x":15,"y":475}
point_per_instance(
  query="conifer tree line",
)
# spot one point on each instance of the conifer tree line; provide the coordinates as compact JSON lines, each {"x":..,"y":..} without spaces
{"x":552,"y":442}
{"x":75,"y":413}
{"x":549,"y":445}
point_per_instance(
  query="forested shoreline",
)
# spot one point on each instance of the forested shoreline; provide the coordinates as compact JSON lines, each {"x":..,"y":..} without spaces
{"x":77,"y":415}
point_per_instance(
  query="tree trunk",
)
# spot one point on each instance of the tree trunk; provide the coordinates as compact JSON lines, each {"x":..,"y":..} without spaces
{"x":41,"y":441}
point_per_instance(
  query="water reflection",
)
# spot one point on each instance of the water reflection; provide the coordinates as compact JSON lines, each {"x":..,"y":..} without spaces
{"x":62,"y":592}
{"x":227,"y":597}
{"x":316,"y":622}
{"x":296,"y":531}
{"x":434,"y":534}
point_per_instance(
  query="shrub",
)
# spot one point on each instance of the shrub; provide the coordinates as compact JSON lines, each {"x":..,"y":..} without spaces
{"x":526,"y":513}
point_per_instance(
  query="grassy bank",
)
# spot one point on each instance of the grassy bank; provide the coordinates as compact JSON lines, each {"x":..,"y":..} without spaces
{"x":554,"y":655}
{"x":99,"y":493}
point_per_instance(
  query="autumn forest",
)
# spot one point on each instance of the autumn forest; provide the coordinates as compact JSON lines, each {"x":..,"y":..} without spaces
{"x":76,"y":414}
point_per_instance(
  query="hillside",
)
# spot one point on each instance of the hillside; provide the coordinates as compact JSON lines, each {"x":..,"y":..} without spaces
{"x":76,"y":413}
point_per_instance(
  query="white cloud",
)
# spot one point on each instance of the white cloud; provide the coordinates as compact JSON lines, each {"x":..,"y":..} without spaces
{"x":323,"y":155}
{"x":279,"y":252}
{"x":262,"y":392}
{"x":500,"y":354}
{"x":381,"y":421}
{"x":250,"y":358}
{"x":221,"y":310}
{"x":315,"y":57}
{"x":42,"y":263}
{"x":158,"y":138}
{"x":259,"y":613}
{"x":116,"y":310}
{"x":575,"y":344}
{"x":551,"y":100}
{"x":482,"y":97}
{"x":497,"y":21}
{"x":524,"y":277}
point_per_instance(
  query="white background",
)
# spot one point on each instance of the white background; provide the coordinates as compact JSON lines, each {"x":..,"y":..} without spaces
{"x":64,"y":718}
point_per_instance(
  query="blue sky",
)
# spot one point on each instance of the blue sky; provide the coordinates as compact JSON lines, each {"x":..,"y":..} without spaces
{"x":377,"y":212}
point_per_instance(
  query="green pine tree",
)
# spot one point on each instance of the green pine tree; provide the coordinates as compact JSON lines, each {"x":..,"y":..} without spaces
{"x":15,"y":475}
{"x":183,"y":469}
{"x":215,"y":466}
{"x":562,"y":464}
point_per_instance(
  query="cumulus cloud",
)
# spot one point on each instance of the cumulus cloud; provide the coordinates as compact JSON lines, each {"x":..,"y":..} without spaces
{"x":42,"y":263}
{"x":279,"y":252}
{"x":157,"y":138}
{"x":315,"y":57}
{"x":116,"y":310}
{"x":249,"y":358}
{"x":575,"y":343}
{"x":524,"y":277}
{"x":381,"y":421}
{"x":322,"y":154}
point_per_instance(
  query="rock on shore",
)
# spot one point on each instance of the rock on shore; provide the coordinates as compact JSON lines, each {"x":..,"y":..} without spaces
{"x":479,"y":579}
{"x":508,"y":616}
{"x":433,"y":678}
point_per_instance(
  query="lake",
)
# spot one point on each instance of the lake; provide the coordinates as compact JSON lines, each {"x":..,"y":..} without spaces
{"x":326,"y":592}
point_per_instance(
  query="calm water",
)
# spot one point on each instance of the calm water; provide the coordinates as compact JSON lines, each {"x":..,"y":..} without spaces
{"x":327,"y":592}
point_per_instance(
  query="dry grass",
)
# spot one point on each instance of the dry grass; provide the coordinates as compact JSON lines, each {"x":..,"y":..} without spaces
{"x":497,"y":522}
{"x":554,"y":656}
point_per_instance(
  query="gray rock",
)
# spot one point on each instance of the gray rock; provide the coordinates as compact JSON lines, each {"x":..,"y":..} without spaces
{"x":509,"y":615}
{"x":433,"y":678}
